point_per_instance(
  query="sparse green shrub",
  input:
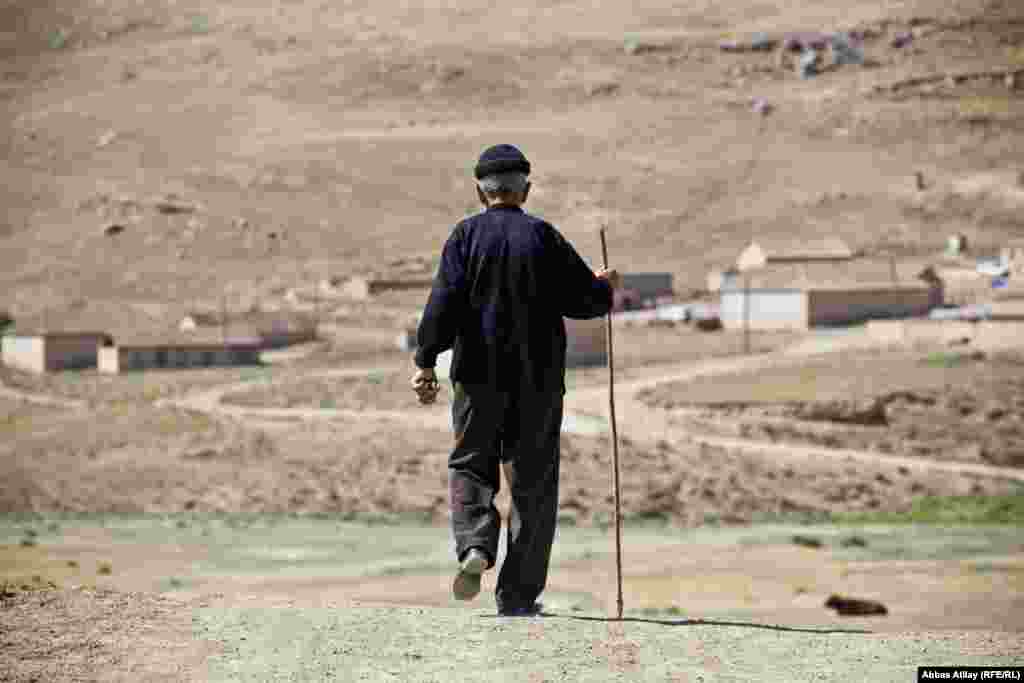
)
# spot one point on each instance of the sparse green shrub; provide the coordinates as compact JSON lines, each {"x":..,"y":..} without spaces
{"x":1007,"y":509}
{"x":58,"y":39}
{"x":985,"y":108}
{"x":671,"y":611}
{"x":944,"y":359}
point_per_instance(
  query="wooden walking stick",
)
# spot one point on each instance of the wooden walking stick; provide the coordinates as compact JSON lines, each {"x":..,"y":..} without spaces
{"x":615,"y":442}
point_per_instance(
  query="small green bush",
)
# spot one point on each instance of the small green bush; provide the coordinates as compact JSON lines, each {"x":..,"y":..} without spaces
{"x":1007,"y":509}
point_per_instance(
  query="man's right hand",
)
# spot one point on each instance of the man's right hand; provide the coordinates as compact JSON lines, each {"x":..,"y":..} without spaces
{"x":611,"y":275}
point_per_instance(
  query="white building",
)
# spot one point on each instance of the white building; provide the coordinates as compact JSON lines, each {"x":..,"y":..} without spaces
{"x":801,"y":297}
{"x":50,"y":351}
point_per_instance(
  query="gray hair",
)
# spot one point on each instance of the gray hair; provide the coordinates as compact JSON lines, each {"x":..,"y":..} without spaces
{"x":508,"y":182}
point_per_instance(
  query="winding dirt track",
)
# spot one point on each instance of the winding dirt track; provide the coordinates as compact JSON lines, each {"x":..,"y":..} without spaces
{"x":586,"y":408}
{"x":39,"y":399}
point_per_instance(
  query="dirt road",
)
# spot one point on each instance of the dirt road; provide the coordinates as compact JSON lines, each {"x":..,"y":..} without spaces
{"x":587,"y":408}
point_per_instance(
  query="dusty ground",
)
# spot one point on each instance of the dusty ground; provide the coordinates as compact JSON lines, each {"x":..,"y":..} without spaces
{"x":643,"y":347}
{"x":243,"y":597}
{"x":318,"y":140}
{"x":959,"y":406}
{"x":166,"y":460}
{"x":249,"y":152}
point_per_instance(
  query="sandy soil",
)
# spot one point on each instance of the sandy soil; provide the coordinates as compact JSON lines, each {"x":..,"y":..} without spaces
{"x":100,"y":636}
{"x":959,"y":406}
{"x":166,"y":460}
{"x":246,"y":153}
{"x":236,"y":597}
{"x":321,"y":141}
{"x":642,"y":347}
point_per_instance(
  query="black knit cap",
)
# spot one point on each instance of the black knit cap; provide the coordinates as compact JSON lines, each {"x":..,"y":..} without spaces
{"x":501,"y":159}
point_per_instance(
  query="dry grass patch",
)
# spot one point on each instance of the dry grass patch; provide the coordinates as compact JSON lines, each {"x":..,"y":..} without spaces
{"x":988,"y":108}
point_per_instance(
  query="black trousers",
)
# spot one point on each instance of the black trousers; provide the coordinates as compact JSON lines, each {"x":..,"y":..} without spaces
{"x":520,"y":431}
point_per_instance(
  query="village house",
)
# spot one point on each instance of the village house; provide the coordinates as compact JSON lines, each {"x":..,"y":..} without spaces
{"x":767,"y":253}
{"x":162,"y":353}
{"x":114,"y":337}
{"x":42,"y":350}
{"x":642,"y":290}
{"x":812,"y":295}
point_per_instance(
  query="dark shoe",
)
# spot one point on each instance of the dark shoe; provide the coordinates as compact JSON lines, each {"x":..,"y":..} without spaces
{"x":466,"y":585}
{"x":534,"y":610}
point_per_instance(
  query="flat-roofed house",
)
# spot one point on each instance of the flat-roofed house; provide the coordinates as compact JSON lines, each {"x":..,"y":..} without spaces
{"x":42,"y":350}
{"x":813,"y":295}
{"x":168,"y":351}
{"x":766,"y":253}
{"x":69,"y":337}
{"x":642,"y":290}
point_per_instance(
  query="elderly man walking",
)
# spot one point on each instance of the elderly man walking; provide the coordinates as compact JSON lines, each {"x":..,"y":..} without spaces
{"x":505,"y":282}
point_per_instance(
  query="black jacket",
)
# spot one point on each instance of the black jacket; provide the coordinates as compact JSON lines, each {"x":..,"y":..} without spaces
{"x":505,"y":282}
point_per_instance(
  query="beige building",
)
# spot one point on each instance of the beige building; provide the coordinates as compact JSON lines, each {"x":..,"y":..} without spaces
{"x":805,"y":296}
{"x":46,"y":351}
{"x":763,"y":254}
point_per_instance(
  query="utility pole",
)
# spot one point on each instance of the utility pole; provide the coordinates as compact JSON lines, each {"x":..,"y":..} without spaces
{"x":316,"y":307}
{"x":746,"y":314}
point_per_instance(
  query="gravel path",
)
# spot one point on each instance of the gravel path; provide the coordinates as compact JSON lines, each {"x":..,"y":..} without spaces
{"x":408,"y":644}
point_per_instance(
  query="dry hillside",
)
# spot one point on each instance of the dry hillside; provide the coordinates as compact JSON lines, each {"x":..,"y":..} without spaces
{"x":241,"y":148}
